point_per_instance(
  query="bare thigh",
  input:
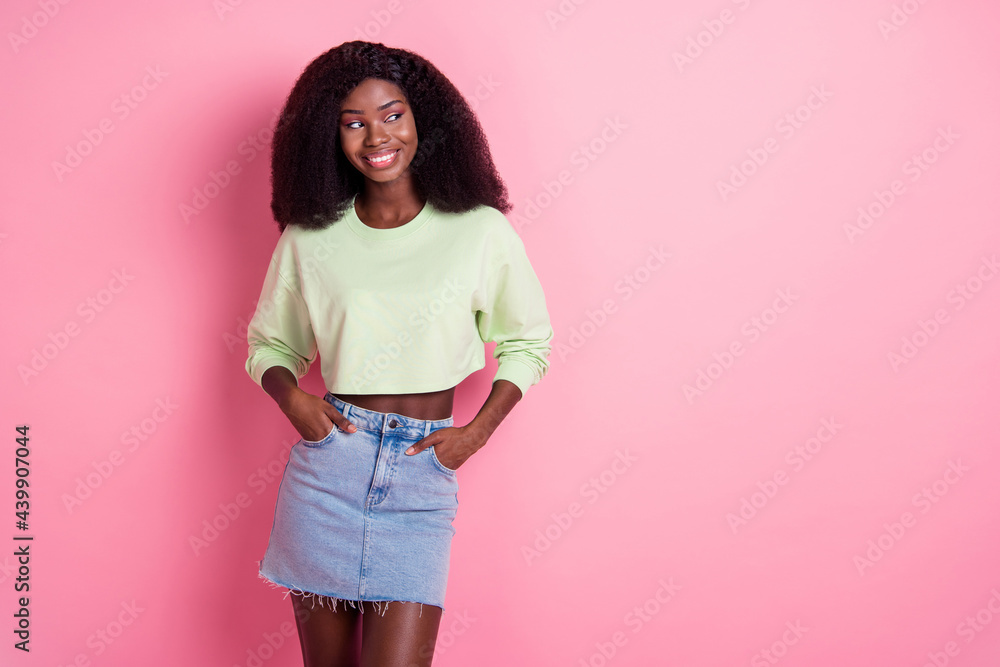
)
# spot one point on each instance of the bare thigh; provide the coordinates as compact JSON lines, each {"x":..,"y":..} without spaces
{"x":404,"y":636}
{"x":328,"y":638}
{"x":397,"y":634}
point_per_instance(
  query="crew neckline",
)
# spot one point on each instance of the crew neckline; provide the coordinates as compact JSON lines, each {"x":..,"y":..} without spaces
{"x":376,"y":234}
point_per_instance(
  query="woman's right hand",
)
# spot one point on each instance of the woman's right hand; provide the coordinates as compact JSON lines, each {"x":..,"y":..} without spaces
{"x":311,"y":416}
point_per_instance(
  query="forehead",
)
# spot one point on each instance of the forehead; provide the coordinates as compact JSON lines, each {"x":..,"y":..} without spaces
{"x":372,"y":93}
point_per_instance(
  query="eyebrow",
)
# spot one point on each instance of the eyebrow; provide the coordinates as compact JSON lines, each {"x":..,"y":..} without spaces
{"x":362,"y":113}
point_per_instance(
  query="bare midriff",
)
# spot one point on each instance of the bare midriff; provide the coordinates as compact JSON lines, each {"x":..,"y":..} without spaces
{"x":431,"y":405}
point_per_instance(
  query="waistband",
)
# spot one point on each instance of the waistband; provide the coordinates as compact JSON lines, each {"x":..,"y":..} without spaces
{"x":387,"y":422}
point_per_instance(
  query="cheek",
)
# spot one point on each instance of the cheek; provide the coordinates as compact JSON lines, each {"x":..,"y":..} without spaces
{"x":411,"y":134}
{"x":346,"y":147}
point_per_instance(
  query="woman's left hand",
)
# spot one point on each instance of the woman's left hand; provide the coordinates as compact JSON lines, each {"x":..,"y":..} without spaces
{"x":453,"y":445}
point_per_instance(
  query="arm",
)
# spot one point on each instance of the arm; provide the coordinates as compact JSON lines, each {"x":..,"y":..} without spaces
{"x":516,"y":318}
{"x":514,"y":314}
{"x":463,"y":441}
{"x":280,"y":332}
{"x":281,"y":349}
{"x":503,"y":397}
{"x":311,"y":415}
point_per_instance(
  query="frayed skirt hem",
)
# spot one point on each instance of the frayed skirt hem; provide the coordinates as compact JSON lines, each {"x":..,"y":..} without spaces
{"x":331,"y":601}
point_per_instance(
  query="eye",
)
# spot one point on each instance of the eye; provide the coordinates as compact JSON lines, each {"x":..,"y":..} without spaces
{"x":356,"y":124}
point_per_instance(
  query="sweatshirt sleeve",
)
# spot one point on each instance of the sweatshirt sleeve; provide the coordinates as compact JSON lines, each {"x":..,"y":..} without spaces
{"x":280,"y":332}
{"x":515,"y":315}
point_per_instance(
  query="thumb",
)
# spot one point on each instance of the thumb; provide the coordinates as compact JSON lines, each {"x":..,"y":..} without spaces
{"x":422,"y":444}
{"x":340,"y":420}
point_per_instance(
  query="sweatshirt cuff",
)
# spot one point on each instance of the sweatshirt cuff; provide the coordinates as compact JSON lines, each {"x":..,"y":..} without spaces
{"x":522,"y":375}
{"x":258,"y":366}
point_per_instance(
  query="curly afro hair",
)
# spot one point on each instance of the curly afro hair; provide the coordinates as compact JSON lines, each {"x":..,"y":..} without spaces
{"x":312,"y":182}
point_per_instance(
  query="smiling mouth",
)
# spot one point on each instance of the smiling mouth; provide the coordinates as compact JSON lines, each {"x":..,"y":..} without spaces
{"x":382,"y":158}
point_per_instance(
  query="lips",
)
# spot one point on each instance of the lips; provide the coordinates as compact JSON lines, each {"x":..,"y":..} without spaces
{"x":382,"y":159}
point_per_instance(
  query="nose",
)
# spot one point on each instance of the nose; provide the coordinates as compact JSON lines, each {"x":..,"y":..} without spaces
{"x":376,"y":134}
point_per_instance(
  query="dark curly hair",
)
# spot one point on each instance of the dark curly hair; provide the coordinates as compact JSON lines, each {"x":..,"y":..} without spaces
{"x":312,"y":182}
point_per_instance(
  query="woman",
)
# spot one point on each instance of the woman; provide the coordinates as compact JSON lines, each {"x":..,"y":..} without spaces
{"x":395,"y":264}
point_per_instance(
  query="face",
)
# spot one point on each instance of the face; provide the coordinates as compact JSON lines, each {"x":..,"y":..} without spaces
{"x":377,"y":130}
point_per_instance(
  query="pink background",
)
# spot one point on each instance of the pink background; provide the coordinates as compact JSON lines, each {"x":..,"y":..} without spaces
{"x":774,"y":446}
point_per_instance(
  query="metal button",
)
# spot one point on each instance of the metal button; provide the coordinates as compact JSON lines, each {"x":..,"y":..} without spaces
{"x":393,"y":423}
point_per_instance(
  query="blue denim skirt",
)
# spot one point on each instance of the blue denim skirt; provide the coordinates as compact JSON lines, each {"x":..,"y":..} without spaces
{"x":356,"y":519}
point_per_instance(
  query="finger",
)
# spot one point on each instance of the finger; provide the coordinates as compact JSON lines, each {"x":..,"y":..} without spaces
{"x":341,"y":421}
{"x":322,"y":434}
{"x":421,"y":445}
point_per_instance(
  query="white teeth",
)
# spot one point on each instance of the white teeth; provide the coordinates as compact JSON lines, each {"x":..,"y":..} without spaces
{"x":381,"y":159}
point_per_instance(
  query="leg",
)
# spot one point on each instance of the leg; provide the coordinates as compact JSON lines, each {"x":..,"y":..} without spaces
{"x":328,"y":638}
{"x":403,"y":637}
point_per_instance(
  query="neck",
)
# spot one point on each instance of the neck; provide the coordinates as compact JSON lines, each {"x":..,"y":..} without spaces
{"x":388,"y":204}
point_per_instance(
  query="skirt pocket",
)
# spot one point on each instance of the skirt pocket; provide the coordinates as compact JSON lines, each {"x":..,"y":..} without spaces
{"x":440,"y":466}
{"x":324,"y":441}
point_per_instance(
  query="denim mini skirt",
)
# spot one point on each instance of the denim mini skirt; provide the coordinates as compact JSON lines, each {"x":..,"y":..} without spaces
{"x":357,"y":519}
